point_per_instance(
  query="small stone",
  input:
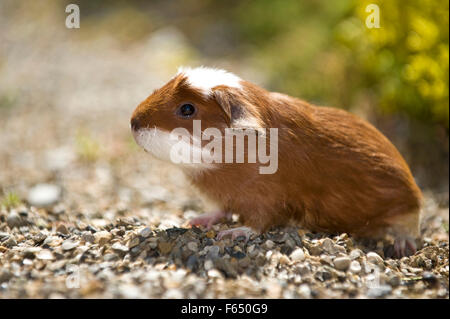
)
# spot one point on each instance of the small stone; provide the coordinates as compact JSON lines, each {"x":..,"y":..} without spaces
{"x":102,"y":237}
{"x":192,"y":246}
{"x":145,"y":232}
{"x":208,"y":264}
{"x":430,"y":278}
{"x":69,"y":244}
{"x":45,"y":254}
{"x":118,"y":247}
{"x":133,"y":242}
{"x":226,"y":266}
{"x":305,"y":291}
{"x":374,"y":258}
{"x":211,"y":234}
{"x":315,"y":250}
{"x":88,"y":237}
{"x":355,"y":254}
{"x":39,"y":238}
{"x":5,"y":275}
{"x":328,"y":245}
{"x":297,"y":255}
{"x":14,"y":220}
{"x":165,"y":247}
{"x":10,"y":242}
{"x":341,"y":263}
{"x":4,"y":236}
{"x":62,"y":229}
{"x":214,"y":273}
{"x":284,"y":260}
{"x":380,"y":291}
{"x":173,"y":293}
{"x":43,"y":195}
{"x":110,"y":257}
{"x":394,"y":281}
{"x":192,"y":262}
{"x":213,"y":252}
{"x":355,"y":267}
{"x":269,"y":244}
{"x":245,"y":262}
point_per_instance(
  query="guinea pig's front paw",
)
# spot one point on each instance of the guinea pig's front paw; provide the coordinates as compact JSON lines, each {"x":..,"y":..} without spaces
{"x":236,"y":232}
{"x":209,"y":219}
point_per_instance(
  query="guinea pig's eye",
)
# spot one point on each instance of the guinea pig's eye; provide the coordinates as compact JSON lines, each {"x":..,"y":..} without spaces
{"x":186,"y":110}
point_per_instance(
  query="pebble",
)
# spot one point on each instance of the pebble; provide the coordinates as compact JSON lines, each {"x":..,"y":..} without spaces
{"x":305,"y":291}
{"x":328,"y":245}
{"x":213,"y":252}
{"x":192,"y":262}
{"x":69,"y":245}
{"x":88,"y":237}
{"x":430,"y":278}
{"x":118,"y":247}
{"x":297,"y":255}
{"x":284,"y":260}
{"x":165,"y":247}
{"x":355,"y":254}
{"x":342,"y":263}
{"x":214,"y":273}
{"x":355,"y":267}
{"x":269,"y":244}
{"x":5,"y":275}
{"x":62,"y":229}
{"x":10,"y":242}
{"x":43,"y":195}
{"x":3,"y":236}
{"x":133,"y":242}
{"x":394,"y":281}
{"x":102,"y":237}
{"x":380,"y":291}
{"x":374,"y":258}
{"x":173,"y":293}
{"x":45,"y":254}
{"x":192,"y":246}
{"x":208,"y":264}
{"x":211,"y":234}
{"x":145,"y":232}
{"x":14,"y":220}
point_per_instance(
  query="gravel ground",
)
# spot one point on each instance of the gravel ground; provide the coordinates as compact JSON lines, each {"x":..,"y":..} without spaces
{"x":85,"y":213}
{"x":61,"y":253}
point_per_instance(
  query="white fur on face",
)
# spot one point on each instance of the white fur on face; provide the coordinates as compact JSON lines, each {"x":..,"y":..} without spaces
{"x":162,"y":145}
{"x":206,"y":78}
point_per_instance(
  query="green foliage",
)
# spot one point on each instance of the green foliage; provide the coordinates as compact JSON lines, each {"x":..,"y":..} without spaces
{"x":88,"y":149}
{"x":406,"y":60}
{"x":10,"y":199}
{"x":324,"y":52}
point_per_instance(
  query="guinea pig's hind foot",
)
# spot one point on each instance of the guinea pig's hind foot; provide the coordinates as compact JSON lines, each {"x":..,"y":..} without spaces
{"x":209,"y":219}
{"x":404,"y":247}
{"x":236,"y":232}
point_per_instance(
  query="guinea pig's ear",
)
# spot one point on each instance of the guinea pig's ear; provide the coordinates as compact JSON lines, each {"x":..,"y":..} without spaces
{"x":235,"y":107}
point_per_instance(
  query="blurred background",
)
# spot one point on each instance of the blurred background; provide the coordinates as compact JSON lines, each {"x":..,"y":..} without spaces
{"x":66,"y":95}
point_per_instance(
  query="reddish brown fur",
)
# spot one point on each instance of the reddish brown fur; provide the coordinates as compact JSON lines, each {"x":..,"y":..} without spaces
{"x":336,"y":172}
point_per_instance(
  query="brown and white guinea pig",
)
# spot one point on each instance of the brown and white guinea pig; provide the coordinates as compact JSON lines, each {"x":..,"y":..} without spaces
{"x":335,"y":173}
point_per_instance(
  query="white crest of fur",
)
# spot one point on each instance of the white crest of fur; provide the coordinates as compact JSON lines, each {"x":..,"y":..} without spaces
{"x":205,"y":79}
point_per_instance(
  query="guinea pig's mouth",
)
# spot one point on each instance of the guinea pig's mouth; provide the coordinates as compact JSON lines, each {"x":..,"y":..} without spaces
{"x":153,"y":140}
{"x":162,"y":145}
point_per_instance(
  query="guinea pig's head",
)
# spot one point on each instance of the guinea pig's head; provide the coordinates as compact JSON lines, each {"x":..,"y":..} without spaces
{"x":215,"y":97}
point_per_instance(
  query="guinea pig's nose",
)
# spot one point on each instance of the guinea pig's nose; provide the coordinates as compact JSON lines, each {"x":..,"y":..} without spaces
{"x":135,"y":124}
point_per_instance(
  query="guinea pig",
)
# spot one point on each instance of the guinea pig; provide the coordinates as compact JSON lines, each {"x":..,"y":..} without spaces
{"x":335,"y":172}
